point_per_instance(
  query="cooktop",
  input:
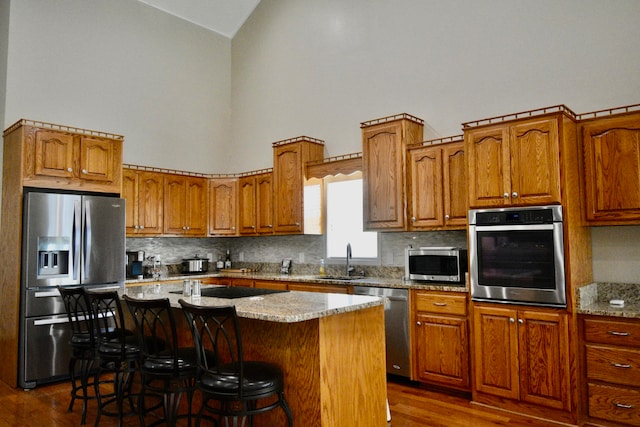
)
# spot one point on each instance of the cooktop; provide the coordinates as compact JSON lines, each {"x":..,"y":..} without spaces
{"x":231,"y":292}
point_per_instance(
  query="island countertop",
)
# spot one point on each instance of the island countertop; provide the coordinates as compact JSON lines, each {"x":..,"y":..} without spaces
{"x":286,"y":307}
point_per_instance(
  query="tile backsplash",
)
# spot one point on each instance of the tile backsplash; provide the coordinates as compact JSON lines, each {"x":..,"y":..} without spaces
{"x":304,"y":250}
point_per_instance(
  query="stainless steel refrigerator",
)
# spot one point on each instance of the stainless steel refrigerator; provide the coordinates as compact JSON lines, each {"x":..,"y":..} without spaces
{"x":68,"y":240}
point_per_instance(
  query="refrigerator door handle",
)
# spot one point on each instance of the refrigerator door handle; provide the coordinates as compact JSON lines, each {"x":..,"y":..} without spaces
{"x":77,"y":238}
{"x":86,"y":255}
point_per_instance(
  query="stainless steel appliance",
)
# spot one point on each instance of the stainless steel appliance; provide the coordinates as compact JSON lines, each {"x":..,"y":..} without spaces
{"x":436,"y":264}
{"x":68,"y":240}
{"x":396,"y":327}
{"x":195,"y":265}
{"x":517,"y":255}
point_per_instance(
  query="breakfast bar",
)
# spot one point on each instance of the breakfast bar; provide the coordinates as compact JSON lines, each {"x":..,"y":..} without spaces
{"x":330,"y":347}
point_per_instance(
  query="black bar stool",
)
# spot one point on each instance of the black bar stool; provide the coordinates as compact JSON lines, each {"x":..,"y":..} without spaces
{"x":167,"y":370}
{"x":83,"y":346}
{"x":236,"y":384}
{"x":118,"y":353}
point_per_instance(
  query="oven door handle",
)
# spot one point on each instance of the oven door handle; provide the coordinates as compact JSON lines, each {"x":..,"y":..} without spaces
{"x":528,"y":227}
{"x":50,"y":321}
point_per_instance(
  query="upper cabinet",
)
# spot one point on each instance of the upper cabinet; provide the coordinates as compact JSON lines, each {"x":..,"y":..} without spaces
{"x":185,"y":205}
{"x":516,"y":162}
{"x":289,"y":159}
{"x":223,"y":206}
{"x":255,"y":203}
{"x":64,"y":157}
{"x":437,"y":183}
{"x":143,"y":191}
{"x":611,"y":177}
{"x":384,"y":144}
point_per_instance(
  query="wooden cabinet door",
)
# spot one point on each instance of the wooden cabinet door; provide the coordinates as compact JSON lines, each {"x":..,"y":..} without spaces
{"x":54,"y":154}
{"x":425,"y":184}
{"x":150,"y":202}
{"x":175,"y":208}
{"x":130,"y":181}
{"x":197,"y":192}
{"x":496,"y":351}
{"x":287,"y":201}
{"x":96,"y":159}
{"x":310,"y":287}
{"x":223,"y":206}
{"x":247,"y":205}
{"x":544,"y":358}
{"x":611,"y":150}
{"x":270,"y":284}
{"x":442,"y":350}
{"x":487,"y":150}
{"x":383,"y":161}
{"x":535,"y":162}
{"x":454,"y":184}
{"x":264,"y":203}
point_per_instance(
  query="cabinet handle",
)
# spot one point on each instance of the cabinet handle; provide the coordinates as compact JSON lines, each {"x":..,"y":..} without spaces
{"x":505,"y":195}
{"x":413,"y":219}
{"x":520,"y":321}
{"x":512,"y":320}
{"x":514,"y":195}
{"x":136,"y":227}
{"x":620,"y":334}
{"x":446,"y":217}
{"x":270,"y":225}
{"x":440,"y":304}
{"x":233,"y":228}
{"x":188,"y":228}
{"x":253,"y":227}
{"x":84,"y":171}
{"x":620,"y":365}
{"x":297,"y":224}
{"x":623,"y":406}
{"x":419,"y":323}
{"x":141,"y":227}
{"x":69,"y":170}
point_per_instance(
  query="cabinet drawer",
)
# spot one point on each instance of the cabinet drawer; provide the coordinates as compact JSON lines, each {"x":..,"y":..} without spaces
{"x":613,"y":364}
{"x":441,"y":303}
{"x":615,"y":404}
{"x":612,"y":332}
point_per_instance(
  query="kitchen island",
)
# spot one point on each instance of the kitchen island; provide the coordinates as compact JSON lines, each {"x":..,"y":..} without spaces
{"x":330,"y":346}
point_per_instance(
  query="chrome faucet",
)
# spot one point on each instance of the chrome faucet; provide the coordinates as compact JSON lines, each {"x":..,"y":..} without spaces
{"x":349,"y":269}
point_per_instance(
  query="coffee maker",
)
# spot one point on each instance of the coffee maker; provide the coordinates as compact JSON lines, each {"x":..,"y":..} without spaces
{"x":134,"y":264}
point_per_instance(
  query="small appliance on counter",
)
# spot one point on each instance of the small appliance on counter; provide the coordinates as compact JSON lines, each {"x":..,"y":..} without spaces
{"x":134,"y":264}
{"x":285,"y":266}
{"x":195,"y":265}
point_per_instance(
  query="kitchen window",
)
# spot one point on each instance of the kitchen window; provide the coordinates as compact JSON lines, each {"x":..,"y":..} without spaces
{"x":343,"y":196}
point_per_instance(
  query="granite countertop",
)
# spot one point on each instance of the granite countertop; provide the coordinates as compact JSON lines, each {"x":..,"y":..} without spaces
{"x":286,"y":307}
{"x":594,"y":299}
{"x":383,"y":282}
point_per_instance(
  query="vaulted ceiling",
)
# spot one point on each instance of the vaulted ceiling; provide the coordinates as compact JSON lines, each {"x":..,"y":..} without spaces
{"x":222,"y":16}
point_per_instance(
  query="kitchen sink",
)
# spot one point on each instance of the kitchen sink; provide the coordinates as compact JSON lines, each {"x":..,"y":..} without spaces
{"x":334,"y":277}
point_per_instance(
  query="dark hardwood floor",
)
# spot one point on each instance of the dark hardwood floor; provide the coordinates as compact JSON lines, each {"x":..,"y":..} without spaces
{"x":411,"y":406}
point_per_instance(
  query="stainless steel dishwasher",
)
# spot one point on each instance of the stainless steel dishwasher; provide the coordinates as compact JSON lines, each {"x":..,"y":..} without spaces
{"x":396,"y":326}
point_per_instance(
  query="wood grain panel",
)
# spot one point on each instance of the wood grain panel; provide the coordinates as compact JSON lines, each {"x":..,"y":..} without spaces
{"x":614,"y":365}
{"x":612,"y":332}
{"x":434,"y":302}
{"x":617,"y":404}
{"x":488,"y":176}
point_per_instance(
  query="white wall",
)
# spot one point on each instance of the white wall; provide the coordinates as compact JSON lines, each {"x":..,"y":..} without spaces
{"x":124,"y":67}
{"x":319,"y":68}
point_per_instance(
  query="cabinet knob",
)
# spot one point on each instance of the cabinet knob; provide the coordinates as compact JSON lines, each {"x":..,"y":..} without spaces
{"x":413,"y":219}
{"x":419,"y":323}
{"x":253,"y":227}
{"x":188,"y":228}
{"x":447,"y":217}
{"x":514,"y":195}
{"x":184,"y":228}
{"x":297,"y":224}
{"x":505,"y":195}
{"x":141,"y":227}
{"x":136,"y":227}
{"x":512,"y":320}
{"x":84,"y":171}
{"x":520,"y":321}
{"x":69,"y":170}
{"x":233,"y":228}
{"x":270,"y":225}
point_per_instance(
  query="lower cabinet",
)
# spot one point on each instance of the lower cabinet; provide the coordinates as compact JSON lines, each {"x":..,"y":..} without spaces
{"x":270,"y":284}
{"x":441,"y":339}
{"x":522,"y":354}
{"x":310,"y":287}
{"x":612,"y":367}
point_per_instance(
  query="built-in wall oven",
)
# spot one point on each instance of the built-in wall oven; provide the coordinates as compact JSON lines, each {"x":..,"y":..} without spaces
{"x":516,"y":255}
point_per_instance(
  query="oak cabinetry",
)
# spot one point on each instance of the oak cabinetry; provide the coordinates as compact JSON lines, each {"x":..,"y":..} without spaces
{"x":143,"y":191}
{"x":612,"y":368}
{"x":522,"y":354}
{"x":311,"y":287}
{"x":384,"y":143}
{"x":185,"y":205}
{"x":515,"y":162}
{"x":437,"y":184}
{"x":255,"y":195}
{"x":223,"y":206}
{"x":270,"y":284}
{"x":611,"y":151}
{"x":289,"y":159}
{"x":441,"y":339}
{"x":64,"y":157}
{"x":247,"y":283}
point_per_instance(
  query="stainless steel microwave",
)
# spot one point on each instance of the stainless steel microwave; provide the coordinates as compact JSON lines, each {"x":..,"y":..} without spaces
{"x":436,"y":264}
